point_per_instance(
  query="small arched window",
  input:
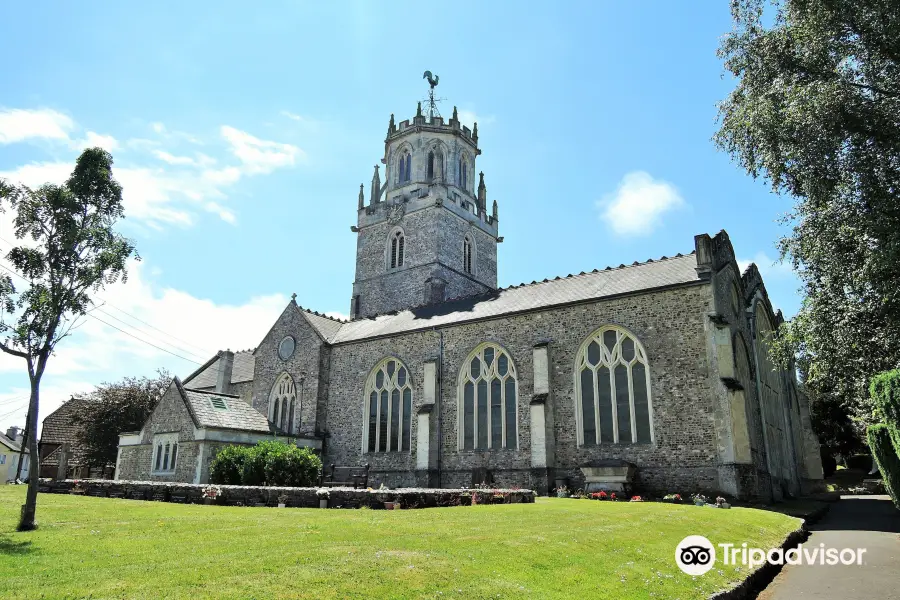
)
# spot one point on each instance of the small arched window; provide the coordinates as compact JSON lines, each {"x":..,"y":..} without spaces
{"x":430,"y":169}
{"x":405,"y":168}
{"x":486,"y":400}
{"x":397,"y":250}
{"x":612,"y":379}
{"x":388,"y":408}
{"x":282,"y":403}
{"x":468,"y":253}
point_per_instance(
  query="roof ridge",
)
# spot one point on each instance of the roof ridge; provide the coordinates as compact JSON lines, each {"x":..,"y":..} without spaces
{"x":608,"y":268}
{"x":323,"y":315}
{"x":520,"y":285}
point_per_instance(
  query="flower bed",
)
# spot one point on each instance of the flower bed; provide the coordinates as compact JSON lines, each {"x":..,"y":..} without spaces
{"x":237,"y":495}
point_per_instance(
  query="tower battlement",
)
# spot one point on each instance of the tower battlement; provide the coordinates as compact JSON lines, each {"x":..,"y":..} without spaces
{"x":423,"y":124}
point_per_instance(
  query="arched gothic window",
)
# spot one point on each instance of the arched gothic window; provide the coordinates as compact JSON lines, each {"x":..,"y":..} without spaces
{"x":388,"y":408}
{"x":430,"y":166}
{"x":486,"y":400}
{"x":397,"y":250}
{"x":468,"y":253}
{"x":405,"y":168}
{"x":282,"y":403}
{"x":612,"y":380}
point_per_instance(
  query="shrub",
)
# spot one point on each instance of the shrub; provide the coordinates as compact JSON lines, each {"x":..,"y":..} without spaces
{"x":225,"y":469}
{"x":272,"y":463}
{"x":286,"y":464}
{"x":885,"y":392}
{"x":253,"y":469}
{"x":888,"y":460}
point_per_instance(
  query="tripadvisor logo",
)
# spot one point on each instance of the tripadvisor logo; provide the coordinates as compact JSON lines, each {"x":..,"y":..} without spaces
{"x":695,"y":555}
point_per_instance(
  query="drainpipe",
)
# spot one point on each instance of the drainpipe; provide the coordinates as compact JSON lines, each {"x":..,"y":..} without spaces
{"x":438,"y":402}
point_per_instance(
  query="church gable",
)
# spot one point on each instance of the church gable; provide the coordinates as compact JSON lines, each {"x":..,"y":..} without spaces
{"x":170,"y":415}
{"x":288,"y":369}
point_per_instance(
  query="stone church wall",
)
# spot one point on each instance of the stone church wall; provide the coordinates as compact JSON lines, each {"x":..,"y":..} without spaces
{"x":670,"y":325}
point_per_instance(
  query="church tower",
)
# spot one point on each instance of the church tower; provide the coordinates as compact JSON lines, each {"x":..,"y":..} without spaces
{"x":425,"y":235}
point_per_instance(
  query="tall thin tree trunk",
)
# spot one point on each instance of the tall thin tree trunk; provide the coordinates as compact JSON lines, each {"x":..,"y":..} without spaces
{"x":26,"y":522}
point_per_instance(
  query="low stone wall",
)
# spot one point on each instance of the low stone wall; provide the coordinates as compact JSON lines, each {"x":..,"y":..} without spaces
{"x":238,"y":495}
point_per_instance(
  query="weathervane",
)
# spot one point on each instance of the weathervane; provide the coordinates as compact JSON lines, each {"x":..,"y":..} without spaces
{"x":432,"y":101}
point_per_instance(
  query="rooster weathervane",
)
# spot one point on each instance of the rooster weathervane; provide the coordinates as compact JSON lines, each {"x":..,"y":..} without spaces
{"x":431,"y":100}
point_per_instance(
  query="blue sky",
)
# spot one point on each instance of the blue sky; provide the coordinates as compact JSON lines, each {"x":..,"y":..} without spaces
{"x":241,"y":134}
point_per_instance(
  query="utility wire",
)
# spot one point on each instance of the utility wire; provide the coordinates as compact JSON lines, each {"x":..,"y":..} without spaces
{"x":203,"y":350}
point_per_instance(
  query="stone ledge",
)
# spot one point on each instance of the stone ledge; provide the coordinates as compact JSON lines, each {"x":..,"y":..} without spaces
{"x":237,"y":495}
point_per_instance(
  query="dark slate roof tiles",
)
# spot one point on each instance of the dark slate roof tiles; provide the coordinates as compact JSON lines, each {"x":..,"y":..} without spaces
{"x":237,"y":414}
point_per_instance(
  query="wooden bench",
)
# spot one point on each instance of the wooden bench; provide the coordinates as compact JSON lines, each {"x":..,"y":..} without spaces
{"x":355,"y":477}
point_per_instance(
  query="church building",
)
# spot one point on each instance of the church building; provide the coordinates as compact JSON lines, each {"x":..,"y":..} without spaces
{"x":653,"y":377}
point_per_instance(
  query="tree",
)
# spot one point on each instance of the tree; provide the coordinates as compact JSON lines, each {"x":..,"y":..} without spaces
{"x":114,"y":408}
{"x":68,"y":250}
{"x":816,"y":112}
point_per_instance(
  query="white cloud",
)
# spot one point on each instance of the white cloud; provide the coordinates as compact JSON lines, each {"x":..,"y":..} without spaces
{"x":636,"y":207}
{"x":201,"y":160}
{"x":94,"y":140}
{"x":17,"y":125}
{"x":259,"y":156}
{"x":153,"y":193}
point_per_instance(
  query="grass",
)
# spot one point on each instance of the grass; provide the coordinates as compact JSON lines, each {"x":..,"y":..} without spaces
{"x":555,"y":548}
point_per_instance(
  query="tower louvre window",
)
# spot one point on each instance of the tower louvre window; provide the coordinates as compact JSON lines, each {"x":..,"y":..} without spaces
{"x":463,"y":176}
{"x":398,"y":242}
{"x":467,"y":254}
{"x":405,"y":168}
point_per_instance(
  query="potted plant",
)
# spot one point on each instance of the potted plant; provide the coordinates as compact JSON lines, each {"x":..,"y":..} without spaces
{"x":636,"y":499}
{"x":282,"y":500}
{"x":601,"y":495}
{"x":323,"y":494}
{"x":210,"y":493}
{"x":612,"y":497}
{"x":699,"y":500}
{"x":77,"y":488}
{"x":392,"y":505}
{"x":562,"y":492}
{"x":674,"y":498}
{"x":722,"y":503}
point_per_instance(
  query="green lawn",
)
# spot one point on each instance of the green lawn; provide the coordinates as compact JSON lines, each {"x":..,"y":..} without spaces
{"x":556,"y":548}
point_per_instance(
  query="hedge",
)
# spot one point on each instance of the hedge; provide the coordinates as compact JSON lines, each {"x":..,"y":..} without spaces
{"x":884,"y":390}
{"x":888,"y":459}
{"x":270,"y":463}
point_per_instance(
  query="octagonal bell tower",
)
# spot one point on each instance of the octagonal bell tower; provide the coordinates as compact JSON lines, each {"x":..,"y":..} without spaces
{"x":425,"y":235}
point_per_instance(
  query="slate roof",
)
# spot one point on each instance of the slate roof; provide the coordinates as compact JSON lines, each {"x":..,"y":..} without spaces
{"x":237,"y":414}
{"x":537,"y":295}
{"x":205,"y":376}
{"x":326,"y":326}
{"x":59,"y":426}
{"x":9,"y":443}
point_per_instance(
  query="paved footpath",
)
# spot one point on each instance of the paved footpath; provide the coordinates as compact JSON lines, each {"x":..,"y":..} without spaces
{"x":869,"y":522}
